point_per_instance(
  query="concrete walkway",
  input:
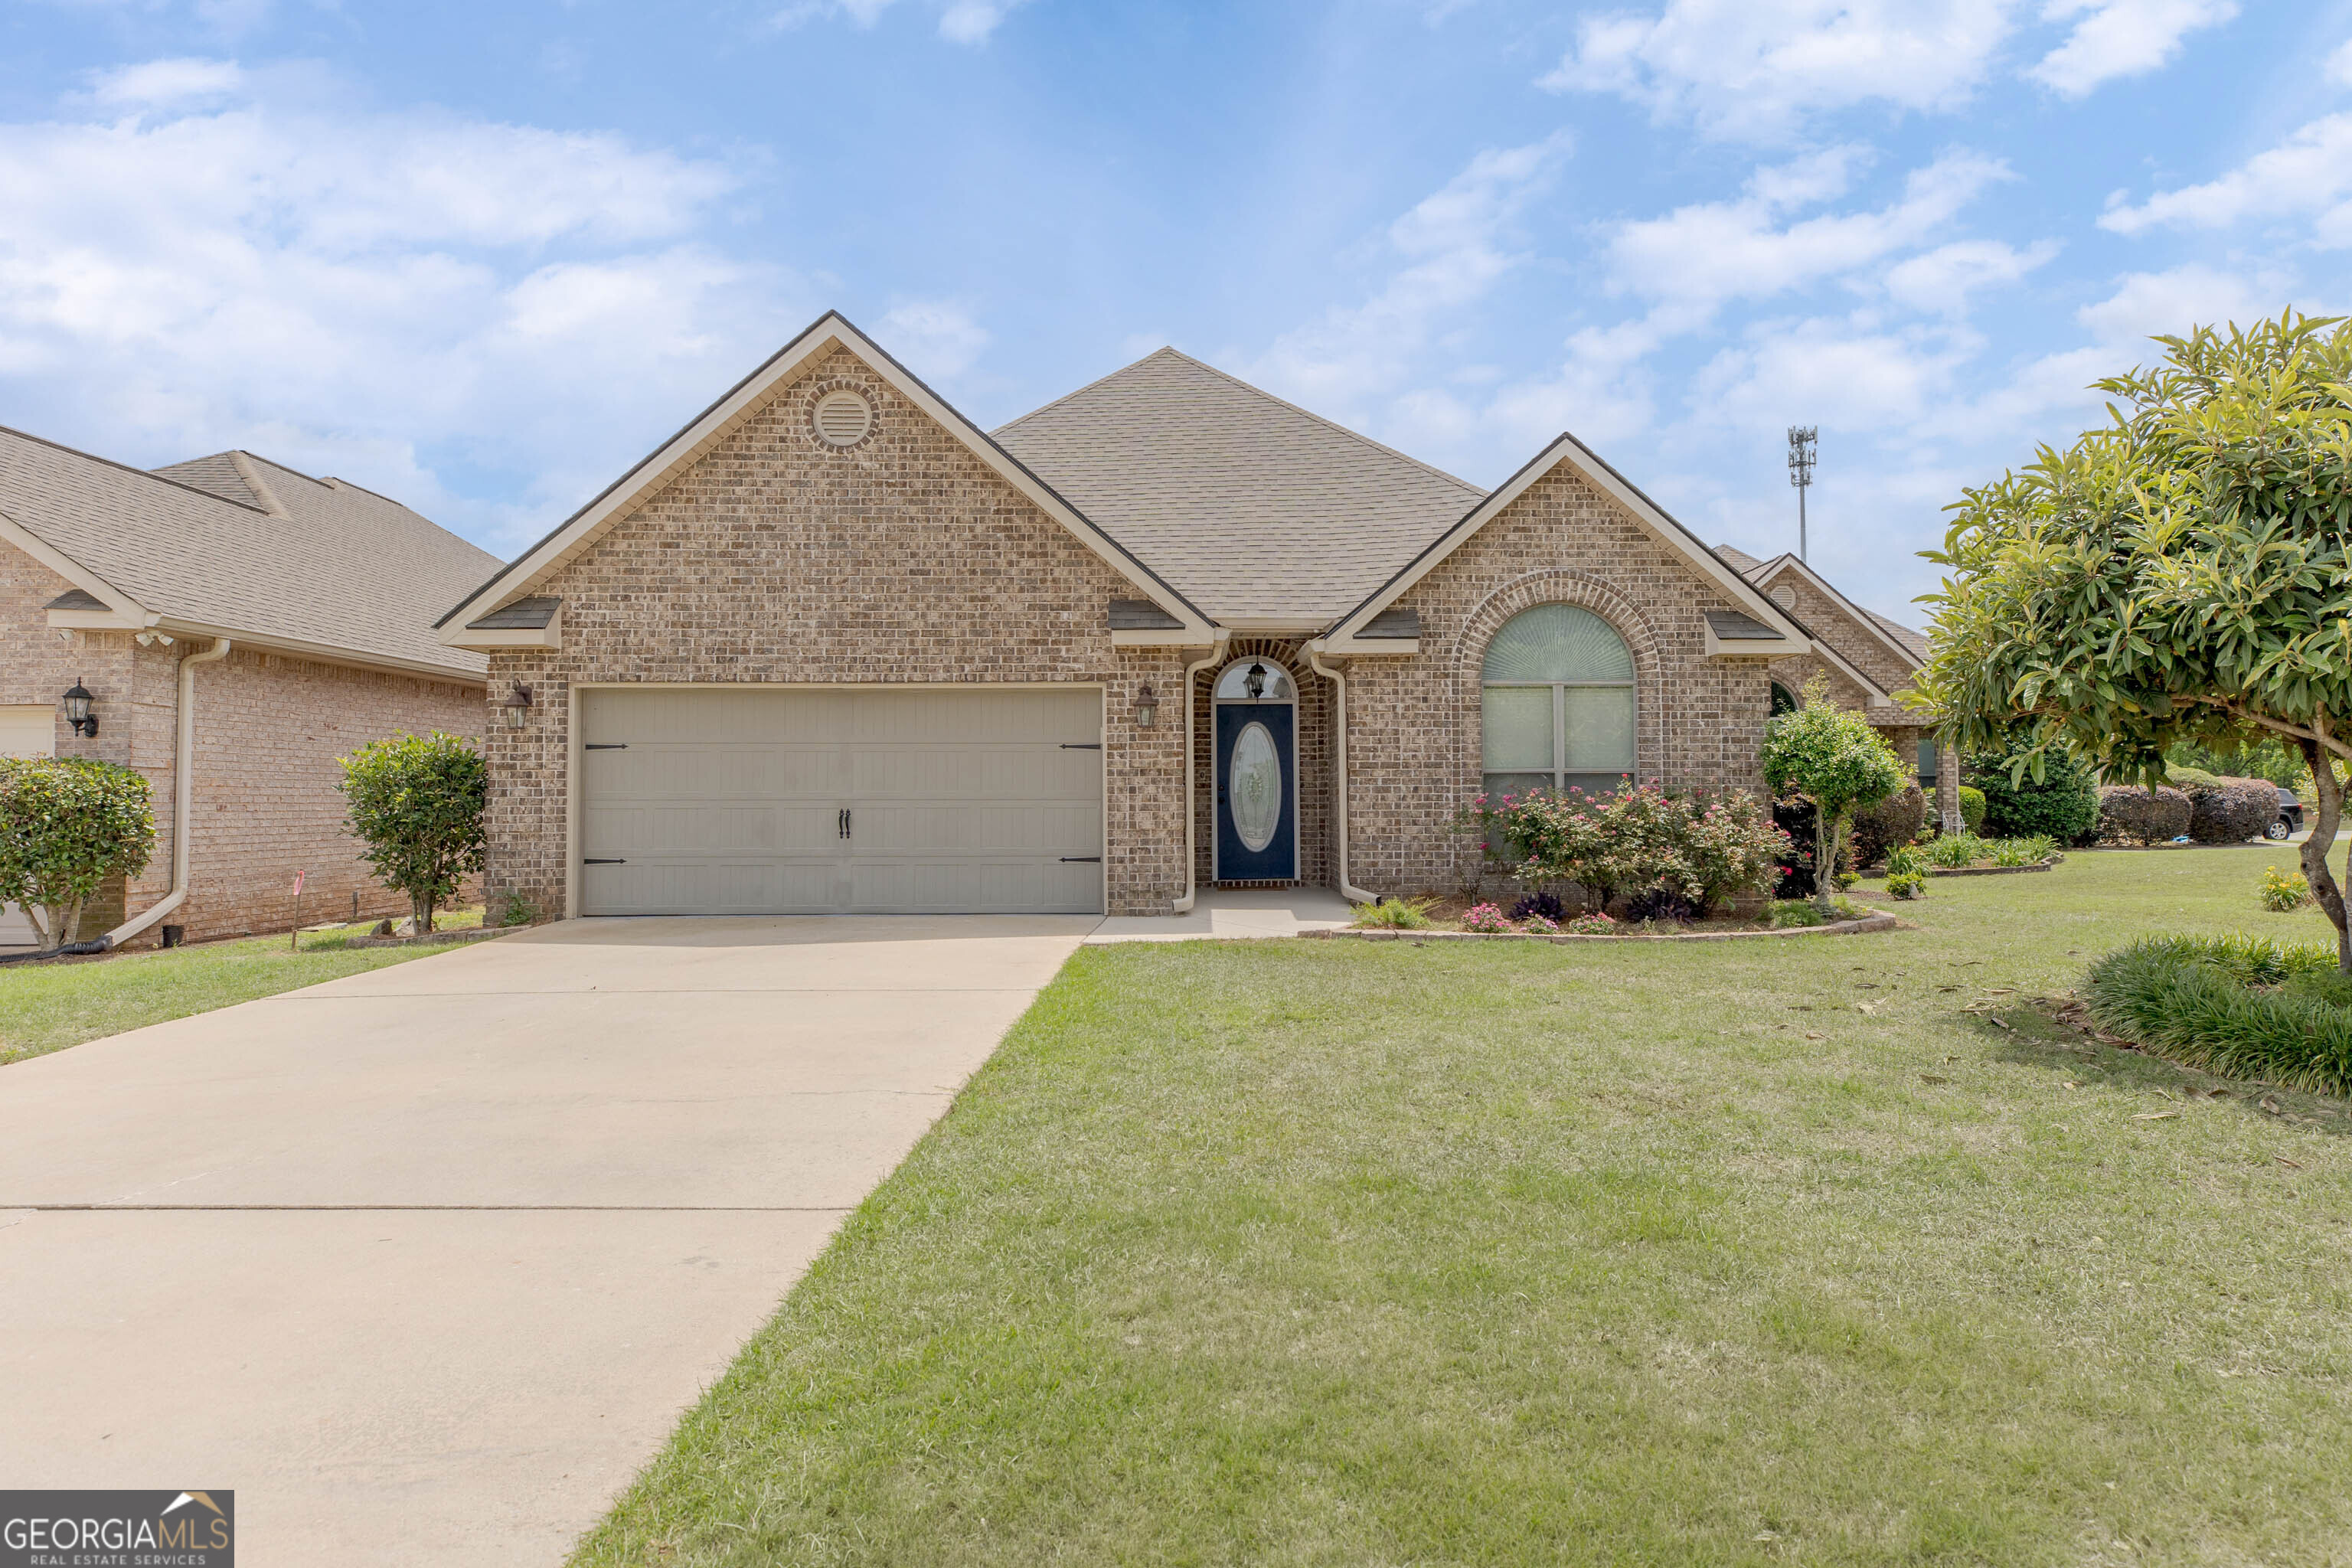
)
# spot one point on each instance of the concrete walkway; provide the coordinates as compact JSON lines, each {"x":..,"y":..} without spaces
{"x":425,"y":1263}
{"x":1221,"y":912}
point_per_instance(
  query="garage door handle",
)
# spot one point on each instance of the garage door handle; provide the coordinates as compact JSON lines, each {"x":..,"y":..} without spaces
{"x":605,"y":746}
{"x":1081,"y":859}
{"x":1082,"y":745}
{"x":842,"y":825}
{"x":592,"y":860}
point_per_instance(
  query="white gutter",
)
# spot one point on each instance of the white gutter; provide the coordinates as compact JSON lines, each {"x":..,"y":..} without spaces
{"x":1348,"y":890}
{"x":1183,"y":906}
{"x":184,"y":794}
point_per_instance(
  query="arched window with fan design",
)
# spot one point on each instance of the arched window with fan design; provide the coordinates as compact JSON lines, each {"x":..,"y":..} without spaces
{"x":1558,"y":703}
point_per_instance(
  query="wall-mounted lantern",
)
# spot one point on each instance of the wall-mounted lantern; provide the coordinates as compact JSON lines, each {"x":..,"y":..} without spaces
{"x":1147,"y":705}
{"x":1256,"y":684}
{"x":76,"y":702}
{"x":515,"y":709}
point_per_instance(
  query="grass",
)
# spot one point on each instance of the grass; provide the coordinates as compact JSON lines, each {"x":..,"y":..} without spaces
{"x":1833,"y":1251}
{"x":48,"y":1007}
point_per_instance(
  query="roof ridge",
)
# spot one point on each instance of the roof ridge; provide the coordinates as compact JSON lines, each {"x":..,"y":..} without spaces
{"x":1078,"y":392}
{"x":128,"y":469}
{"x":1357,"y":435}
{"x":282,"y":467}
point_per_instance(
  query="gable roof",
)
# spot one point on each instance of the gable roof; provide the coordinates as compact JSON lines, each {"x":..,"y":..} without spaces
{"x":333,"y":569}
{"x":1898,"y":638}
{"x":1262,"y":513}
{"x":747,"y":397}
{"x":1566,"y":449}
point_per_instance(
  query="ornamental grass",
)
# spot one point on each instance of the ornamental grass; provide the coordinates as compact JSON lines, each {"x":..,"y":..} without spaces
{"x":2237,"y":1006}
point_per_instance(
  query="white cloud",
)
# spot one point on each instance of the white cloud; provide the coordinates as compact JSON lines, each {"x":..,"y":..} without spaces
{"x":972,"y":21}
{"x":937,"y":340}
{"x":2338,"y":69}
{"x":1941,"y":281}
{"x":1698,"y":257}
{"x":2121,"y":37}
{"x":163,"y":83}
{"x":1455,"y":245}
{"x":1760,"y":68}
{"x":2308,"y":174}
{"x":373,"y":293}
{"x":1827,"y":371}
{"x":2146,"y":303}
{"x":960,"y":21}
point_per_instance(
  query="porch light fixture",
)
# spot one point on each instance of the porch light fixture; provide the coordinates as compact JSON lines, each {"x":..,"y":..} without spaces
{"x":76,"y":701}
{"x":1256,"y":684}
{"x":1147,"y":705}
{"x":515,"y":709}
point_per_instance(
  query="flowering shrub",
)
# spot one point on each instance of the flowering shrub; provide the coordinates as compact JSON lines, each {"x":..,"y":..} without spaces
{"x":1486,"y":918}
{"x":1698,"y":849}
{"x":2284,"y":890}
{"x":1543,"y":925}
{"x":1592,"y":925}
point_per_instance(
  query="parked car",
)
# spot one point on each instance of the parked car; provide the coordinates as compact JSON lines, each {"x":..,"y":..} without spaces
{"x":2289,"y":820}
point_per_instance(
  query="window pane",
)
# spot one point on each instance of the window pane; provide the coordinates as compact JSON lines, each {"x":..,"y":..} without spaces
{"x":1926,"y":762}
{"x":1599,"y":728}
{"x":1518,"y":724}
{"x":1601,"y":784}
{"x":1497,"y":785}
{"x":1274,"y":682}
{"x":1558,"y":642}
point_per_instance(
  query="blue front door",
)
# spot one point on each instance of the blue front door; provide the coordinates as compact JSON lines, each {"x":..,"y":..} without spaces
{"x":1257,"y":816}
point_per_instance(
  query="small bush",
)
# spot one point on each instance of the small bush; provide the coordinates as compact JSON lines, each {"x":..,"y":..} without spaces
{"x":2188,"y":779}
{"x":1543,"y":925}
{"x":1972,"y":808}
{"x":1663,"y":902}
{"x":417,"y":801}
{"x":2242,"y":1008}
{"x":2230,"y":811}
{"x":1395,"y":914}
{"x":1539,"y":906}
{"x":2284,"y":890}
{"x":2023,"y":852}
{"x":2142,"y":815}
{"x":2064,"y":802}
{"x":516,"y":909}
{"x":1593,"y":925}
{"x":1905,"y":874}
{"x":1485,"y":917}
{"x":67,"y":824}
{"x":1709,"y":847}
{"x":1896,"y":820}
{"x":1787,"y":912}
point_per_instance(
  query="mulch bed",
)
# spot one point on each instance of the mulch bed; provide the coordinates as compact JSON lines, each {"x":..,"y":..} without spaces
{"x":431,"y":939}
{"x":1877,"y":919}
{"x":1987,"y":870}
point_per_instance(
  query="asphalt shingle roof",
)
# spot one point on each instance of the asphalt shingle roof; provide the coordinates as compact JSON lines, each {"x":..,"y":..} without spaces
{"x":1747,"y":565}
{"x":1252,"y":508}
{"x":339,"y":567}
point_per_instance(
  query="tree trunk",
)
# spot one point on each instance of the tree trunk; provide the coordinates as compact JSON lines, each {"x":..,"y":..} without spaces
{"x":420,"y":915}
{"x":1825,"y":846}
{"x":2322,"y":839}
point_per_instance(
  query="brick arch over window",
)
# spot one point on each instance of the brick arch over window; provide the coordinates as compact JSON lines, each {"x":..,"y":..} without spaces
{"x":1561,"y":586}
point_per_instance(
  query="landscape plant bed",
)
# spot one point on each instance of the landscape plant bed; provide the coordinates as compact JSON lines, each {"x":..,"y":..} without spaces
{"x":1876,"y":920}
{"x":1990,"y":870}
{"x":2237,"y":1006}
{"x":432,"y":939}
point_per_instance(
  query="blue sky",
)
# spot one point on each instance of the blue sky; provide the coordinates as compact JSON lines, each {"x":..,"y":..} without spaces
{"x":482,"y":256}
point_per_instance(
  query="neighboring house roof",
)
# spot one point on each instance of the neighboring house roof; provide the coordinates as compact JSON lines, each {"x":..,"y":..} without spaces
{"x":745,"y":399}
{"x":239,"y":546}
{"x":1262,"y":513}
{"x":1907,"y":642}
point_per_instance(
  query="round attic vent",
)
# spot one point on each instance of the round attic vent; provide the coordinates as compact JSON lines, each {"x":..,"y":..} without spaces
{"x":842,"y":418}
{"x":1785,"y":596}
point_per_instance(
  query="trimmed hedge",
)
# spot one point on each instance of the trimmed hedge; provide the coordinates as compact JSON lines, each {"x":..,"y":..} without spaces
{"x":1889,"y":825}
{"x":2230,"y":811}
{"x":2065,"y":804}
{"x":2128,"y":812}
{"x":1972,"y":808}
{"x":2239,"y":1006}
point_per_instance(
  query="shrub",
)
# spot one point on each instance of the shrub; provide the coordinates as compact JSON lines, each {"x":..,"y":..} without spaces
{"x":2230,"y":811}
{"x":1905,"y":876}
{"x":1787,"y":912}
{"x":1539,"y":906}
{"x":1395,"y":914}
{"x":1662,"y":902}
{"x":1543,"y":925}
{"x":1593,"y":925}
{"x":2285,"y":891}
{"x":2064,"y":802}
{"x":518,"y":911}
{"x":1487,"y":918}
{"x":2220,"y":1003}
{"x":2188,"y":780}
{"x":417,"y":801}
{"x":2260,"y":755}
{"x":1972,"y":808}
{"x":68,"y":824}
{"x":1833,"y":758}
{"x":1706,"y":848}
{"x":1732,"y":847}
{"x":2154,"y":815}
{"x":1896,"y":820}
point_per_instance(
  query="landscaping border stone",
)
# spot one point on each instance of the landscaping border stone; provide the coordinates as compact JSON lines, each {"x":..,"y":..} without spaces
{"x":434,"y":939}
{"x":1987,"y":870}
{"x":1877,"y":919}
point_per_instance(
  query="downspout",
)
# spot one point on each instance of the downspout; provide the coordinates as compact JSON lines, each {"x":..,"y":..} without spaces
{"x":1183,"y":906}
{"x":183,"y":795}
{"x":1348,"y":890}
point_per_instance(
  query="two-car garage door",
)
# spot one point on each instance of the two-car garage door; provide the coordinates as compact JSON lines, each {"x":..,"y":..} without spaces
{"x":832,"y":800}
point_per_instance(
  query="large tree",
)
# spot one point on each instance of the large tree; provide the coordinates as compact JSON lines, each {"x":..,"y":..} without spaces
{"x":2180,"y":574}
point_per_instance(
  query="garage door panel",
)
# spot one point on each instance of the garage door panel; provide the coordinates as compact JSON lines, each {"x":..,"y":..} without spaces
{"x":724,"y":800}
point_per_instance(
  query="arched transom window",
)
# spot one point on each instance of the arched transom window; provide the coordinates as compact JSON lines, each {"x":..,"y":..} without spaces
{"x":1557,"y":710}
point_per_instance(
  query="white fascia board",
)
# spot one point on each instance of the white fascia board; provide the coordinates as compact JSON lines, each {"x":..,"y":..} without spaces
{"x":1158,"y":637}
{"x":1854,"y":612}
{"x":1365,"y":648}
{"x":515,"y":580}
{"x":98,"y":621}
{"x":325,"y":653}
{"x":1568,"y":449}
{"x":122,"y":612}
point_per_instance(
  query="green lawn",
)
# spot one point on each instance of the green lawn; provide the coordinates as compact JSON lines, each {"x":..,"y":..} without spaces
{"x":1346,"y":1253}
{"x":47,"y":1007}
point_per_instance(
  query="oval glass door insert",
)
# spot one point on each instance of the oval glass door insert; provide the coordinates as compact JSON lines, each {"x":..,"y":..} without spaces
{"x":1254,"y":781}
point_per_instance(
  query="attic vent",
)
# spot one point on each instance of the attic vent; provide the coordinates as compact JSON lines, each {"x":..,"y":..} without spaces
{"x":1785,"y":596}
{"x":842,"y":418}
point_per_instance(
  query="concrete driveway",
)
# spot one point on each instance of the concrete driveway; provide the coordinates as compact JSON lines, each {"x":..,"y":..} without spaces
{"x":425,"y":1263}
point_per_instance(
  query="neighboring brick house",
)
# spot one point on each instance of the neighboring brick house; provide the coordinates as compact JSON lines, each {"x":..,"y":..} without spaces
{"x":833,"y":648}
{"x":1865,"y":658}
{"x":298,"y":612}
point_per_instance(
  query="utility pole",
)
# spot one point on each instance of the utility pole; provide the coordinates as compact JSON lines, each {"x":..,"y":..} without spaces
{"x":1800,"y":473}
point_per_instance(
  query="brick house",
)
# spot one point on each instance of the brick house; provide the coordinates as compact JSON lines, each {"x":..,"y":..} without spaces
{"x":833,"y":648}
{"x":238,"y":627}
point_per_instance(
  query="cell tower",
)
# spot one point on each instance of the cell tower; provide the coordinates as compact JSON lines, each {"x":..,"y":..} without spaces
{"x":1800,"y":473}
